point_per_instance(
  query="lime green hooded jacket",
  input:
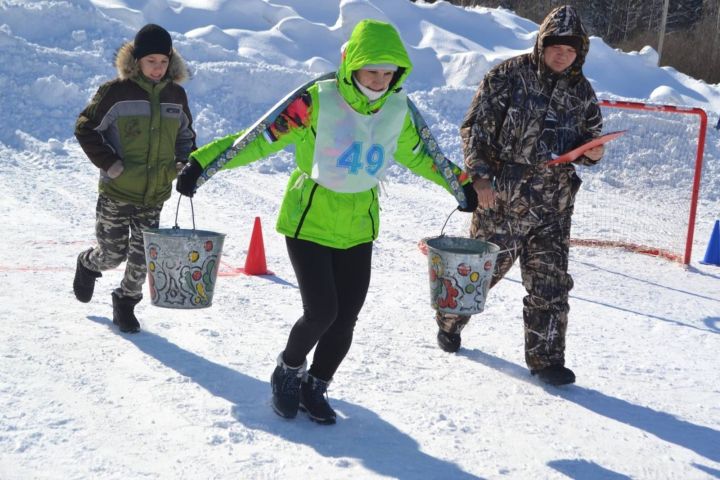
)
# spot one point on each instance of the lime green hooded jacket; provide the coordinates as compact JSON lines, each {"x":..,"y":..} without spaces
{"x":310,"y":211}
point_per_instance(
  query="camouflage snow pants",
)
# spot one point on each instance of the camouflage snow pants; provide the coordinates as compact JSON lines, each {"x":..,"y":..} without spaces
{"x":119,"y":231}
{"x":543,"y":250}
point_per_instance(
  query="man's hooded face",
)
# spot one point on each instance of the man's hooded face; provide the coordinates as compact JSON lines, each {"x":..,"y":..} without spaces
{"x":558,"y":58}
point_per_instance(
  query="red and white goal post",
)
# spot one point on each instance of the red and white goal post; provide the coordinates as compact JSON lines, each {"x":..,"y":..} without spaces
{"x":642,"y":196}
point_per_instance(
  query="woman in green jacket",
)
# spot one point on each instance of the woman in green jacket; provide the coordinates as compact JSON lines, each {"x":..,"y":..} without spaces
{"x":345,"y":131}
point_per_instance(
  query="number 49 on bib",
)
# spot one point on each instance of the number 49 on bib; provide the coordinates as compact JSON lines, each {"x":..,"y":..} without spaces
{"x":351,"y":158}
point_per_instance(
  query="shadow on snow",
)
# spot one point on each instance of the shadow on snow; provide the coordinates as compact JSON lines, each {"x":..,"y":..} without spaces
{"x":702,"y":440}
{"x":360,"y":433}
{"x":584,"y":470}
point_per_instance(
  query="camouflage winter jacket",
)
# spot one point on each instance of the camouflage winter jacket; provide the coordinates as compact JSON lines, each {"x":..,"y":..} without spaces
{"x":148,"y":126}
{"x":523,"y":113}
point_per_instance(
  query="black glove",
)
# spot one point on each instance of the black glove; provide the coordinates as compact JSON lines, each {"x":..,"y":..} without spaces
{"x":470,"y":197}
{"x":188,"y":177}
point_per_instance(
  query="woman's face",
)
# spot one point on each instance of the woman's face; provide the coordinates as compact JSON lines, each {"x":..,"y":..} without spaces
{"x":559,"y":57}
{"x":154,"y":66}
{"x":378,"y":80}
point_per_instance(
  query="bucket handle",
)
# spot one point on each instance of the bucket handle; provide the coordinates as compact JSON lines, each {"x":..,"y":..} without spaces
{"x":177,"y":210}
{"x":442,"y":230}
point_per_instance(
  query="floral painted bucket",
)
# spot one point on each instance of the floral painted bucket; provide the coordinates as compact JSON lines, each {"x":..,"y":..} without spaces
{"x":182,"y":266}
{"x":460,"y":273}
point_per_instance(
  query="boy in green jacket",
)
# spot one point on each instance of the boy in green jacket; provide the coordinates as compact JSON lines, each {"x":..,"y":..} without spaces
{"x":138,"y":131}
{"x":345,"y":132}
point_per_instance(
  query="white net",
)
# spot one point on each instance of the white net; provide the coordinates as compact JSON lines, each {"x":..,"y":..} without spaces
{"x":640,"y":195}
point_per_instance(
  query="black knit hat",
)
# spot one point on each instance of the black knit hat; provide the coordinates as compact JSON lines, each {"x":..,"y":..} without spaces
{"x":569,"y":40}
{"x":152,"y":39}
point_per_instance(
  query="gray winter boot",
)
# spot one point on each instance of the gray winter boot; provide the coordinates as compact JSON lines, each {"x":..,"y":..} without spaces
{"x":124,"y":313}
{"x":314,"y":401}
{"x":285,"y":382}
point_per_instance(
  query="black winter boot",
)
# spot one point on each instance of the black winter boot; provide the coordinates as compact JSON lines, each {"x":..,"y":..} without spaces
{"x":285,"y":382}
{"x":84,"y":283}
{"x":450,"y":342}
{"x":313,"y":400}
{"x":124,"y":314}
{"x":555,"y":375}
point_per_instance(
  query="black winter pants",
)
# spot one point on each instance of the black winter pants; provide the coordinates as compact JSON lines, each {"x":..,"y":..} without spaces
{"x":333,"y":285}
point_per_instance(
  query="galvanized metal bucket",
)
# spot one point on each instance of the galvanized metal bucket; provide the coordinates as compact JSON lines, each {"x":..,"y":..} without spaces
{"x":182,"y":266}
{"x":460,"y":272}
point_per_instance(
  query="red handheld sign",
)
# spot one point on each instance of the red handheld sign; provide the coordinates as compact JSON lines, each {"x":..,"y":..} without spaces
{"x":576,"y":153}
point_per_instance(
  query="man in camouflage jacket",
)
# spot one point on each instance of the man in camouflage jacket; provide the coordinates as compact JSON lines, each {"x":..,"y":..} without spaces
{"x":526,"y":110}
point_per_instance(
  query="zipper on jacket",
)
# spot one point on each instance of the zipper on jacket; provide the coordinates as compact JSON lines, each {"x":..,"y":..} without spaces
{"x":372,"y":221}
{"x":305,"y":212}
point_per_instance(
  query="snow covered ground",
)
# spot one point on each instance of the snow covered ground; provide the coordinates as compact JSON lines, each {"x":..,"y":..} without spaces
{"x":189,"y":396}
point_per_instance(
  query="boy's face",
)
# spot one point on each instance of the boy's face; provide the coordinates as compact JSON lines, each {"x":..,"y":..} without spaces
{"x":378,"y":80}
{"x":154,"y":66}
{"x":559,"y":57}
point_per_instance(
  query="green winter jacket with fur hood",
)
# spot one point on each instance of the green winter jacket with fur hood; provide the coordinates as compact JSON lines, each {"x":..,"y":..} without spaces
{"x":310,"y":211}
{"x":147,"y":126}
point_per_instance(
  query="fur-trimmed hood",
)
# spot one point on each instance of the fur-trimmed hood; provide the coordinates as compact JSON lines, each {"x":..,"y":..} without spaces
{"x":127,"y":67}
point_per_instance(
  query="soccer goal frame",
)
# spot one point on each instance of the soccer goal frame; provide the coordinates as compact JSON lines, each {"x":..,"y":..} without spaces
{"x":655,"y":246}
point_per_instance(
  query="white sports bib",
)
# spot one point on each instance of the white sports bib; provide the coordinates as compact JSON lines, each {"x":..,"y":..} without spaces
{"x":352,"y":150}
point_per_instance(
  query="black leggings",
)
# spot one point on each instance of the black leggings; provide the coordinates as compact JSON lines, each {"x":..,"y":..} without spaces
{"x":333,"y":285}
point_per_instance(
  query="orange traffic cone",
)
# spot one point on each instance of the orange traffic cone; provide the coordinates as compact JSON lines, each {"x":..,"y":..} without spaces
{"x":255,"y":261}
